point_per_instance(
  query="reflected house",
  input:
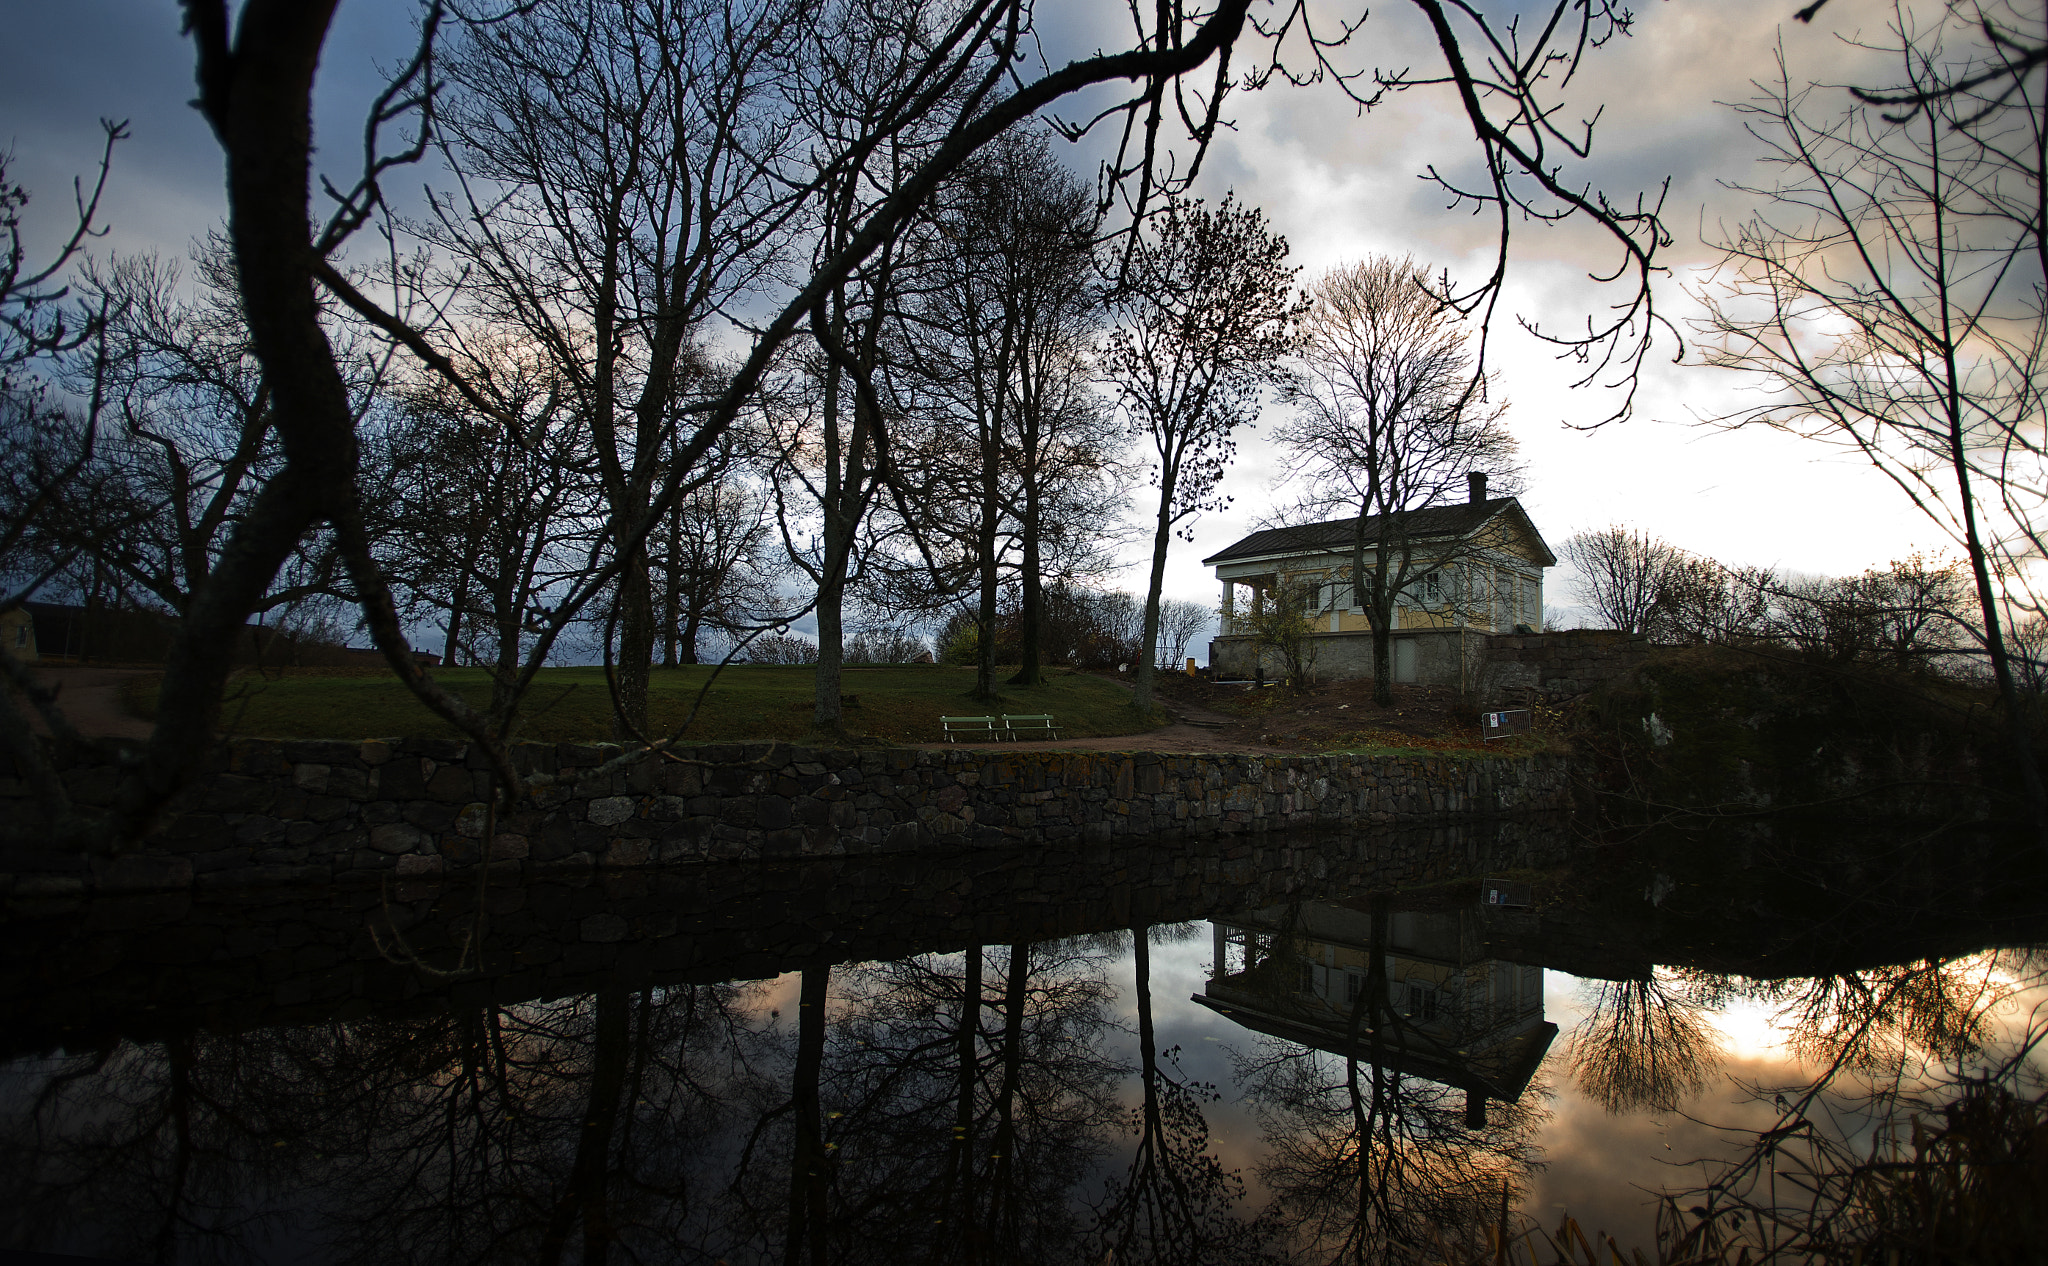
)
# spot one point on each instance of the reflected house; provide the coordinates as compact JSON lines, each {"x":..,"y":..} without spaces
{"x":1460,"y":1017}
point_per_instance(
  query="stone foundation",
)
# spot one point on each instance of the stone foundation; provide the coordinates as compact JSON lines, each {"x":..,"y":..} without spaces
{"x":319,"y":812}
{"x":1552,"y":667}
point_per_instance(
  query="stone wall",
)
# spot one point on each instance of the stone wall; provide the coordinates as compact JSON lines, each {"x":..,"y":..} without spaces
{"x":83,"y":970}
{"x":316,"y":812}
{"x":1426,"y":657}
{"x":1552,"y":667}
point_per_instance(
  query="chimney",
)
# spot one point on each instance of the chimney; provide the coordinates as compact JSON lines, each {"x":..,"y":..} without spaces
{"x":1475,"y":1100}
{"x":1476,"y":481}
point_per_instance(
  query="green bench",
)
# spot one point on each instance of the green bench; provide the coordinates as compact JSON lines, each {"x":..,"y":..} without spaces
{"x":1039,"y":724}
{"x":981,"y":726}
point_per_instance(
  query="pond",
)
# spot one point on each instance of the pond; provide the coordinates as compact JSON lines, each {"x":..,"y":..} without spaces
{"x":1141,"y":1054}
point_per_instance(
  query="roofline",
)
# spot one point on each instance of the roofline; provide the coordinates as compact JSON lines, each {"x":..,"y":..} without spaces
{"x":1506,"y":503}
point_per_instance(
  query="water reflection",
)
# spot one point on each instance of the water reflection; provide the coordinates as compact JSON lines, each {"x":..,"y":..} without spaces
{"x":1645,"y":1043}
{"x":1174,"y":1201}
{"x":920,"y":1060}
{"x":1382,"y":1038}
{"x":542,"y":1132}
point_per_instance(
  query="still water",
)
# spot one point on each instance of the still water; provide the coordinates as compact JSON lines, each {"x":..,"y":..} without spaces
{"x":1156,"y":1054}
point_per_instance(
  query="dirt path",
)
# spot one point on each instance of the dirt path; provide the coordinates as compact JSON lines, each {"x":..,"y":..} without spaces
{"x":1195,"y":729}
{"x":90,"y":696}
{"x":1179,"y":739}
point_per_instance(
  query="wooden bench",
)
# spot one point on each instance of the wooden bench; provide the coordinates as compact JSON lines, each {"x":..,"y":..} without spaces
{"x":983,"y":726}
{"x":1035,"y":724}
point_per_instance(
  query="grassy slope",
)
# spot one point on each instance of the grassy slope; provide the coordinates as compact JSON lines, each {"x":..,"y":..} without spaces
{"x":893,"y":704}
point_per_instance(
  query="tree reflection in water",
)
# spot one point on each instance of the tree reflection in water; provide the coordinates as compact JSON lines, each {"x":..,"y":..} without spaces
{"x":1367,"y":1162}
{"x":1917,"y":1134}
{"x":959,"y":1096}
{"x":541,"y":1132}
{"x":1644,"y":1044}
{"x":1175,"y":1202}
{"x":975,"y":1106}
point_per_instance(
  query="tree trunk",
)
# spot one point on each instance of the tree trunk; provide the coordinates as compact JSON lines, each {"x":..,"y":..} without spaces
{"x":583,"y":1197}
{"x":809,"y":1162}
{"x":1162,"y":539}
{"x":1031,"y":614}
{"x":636,"y":644}
{"x":686,"y":647}
{"x":1003,"y":1212}
{"x":958,"y":1201}
{"x":827,"y":715}
{"x":672,"y":595}
{"x":985,"y":615}
{"x":1378,"y":599}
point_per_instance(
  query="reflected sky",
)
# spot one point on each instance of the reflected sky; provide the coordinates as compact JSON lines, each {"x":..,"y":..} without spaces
{"x":681,"y":1114}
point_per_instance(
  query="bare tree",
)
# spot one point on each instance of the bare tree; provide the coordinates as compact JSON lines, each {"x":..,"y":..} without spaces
{"x":1179,"y":622}
{"x":179,"y":435}
{"x":619,"y":160}
{"x":1888,"y":293}
{"x":716,"y":559}
{"x":884,"y":644}
{"x":1621,"y":572}
{"x":256,"y":64}
{"x":1282,"y":619}
{"x":33,"y":320}
{"x":1205,"y":314}
{"x":1700,"y":600}
{"x":484,"y":517}
{"x":1390,"y":418}
{"x":1009,"y":323}
{"x":1903,"y":616}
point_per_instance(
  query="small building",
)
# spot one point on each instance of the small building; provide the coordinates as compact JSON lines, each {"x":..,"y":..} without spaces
{"x":1460,"y":1017}
{"x":18,"y":634}
{"x":1482,"y":562}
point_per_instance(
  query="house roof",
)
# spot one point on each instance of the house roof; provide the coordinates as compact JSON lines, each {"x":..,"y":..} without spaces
{"x":1453,"y":520}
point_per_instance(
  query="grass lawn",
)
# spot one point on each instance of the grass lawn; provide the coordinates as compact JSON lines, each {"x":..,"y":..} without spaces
{"x":891,"y":704}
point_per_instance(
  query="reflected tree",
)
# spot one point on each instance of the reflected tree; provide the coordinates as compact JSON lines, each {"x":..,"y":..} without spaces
{"x":960,"y":1097}
{"x":1371,"y":1164}
{"x":1914,"y":1137}
{"x":594,"y":1128}
{"x":1175,"y":1202}
{"x":1643,"y":1046}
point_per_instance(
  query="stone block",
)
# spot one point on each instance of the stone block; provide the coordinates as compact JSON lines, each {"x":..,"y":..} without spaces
{"x":415,"y":864}
{"x":139,"y":872}
{"x":473,"y":820}
{"x":452,"y":784}
{"x":430,"y":816}
{"x":610,"y":810}
{"x":398,"y":837}
{"x":237,"y":793}
{"x":630,"y":852}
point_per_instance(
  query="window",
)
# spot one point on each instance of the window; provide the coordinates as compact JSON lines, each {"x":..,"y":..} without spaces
{"x":1353,"y":985}
{"x":1421,"y":1001}
{"x":1429,"y":590}
{"x":1308,"y":977}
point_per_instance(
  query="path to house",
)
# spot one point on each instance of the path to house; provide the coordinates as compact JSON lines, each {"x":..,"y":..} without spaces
{"x":91,"y":697}
{"x":1194,"y":729}
{"x":1177,"y":738}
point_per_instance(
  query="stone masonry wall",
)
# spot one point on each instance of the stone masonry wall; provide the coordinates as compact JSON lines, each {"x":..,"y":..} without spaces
{"x":1551,"y":667}
{"x":314,"y":812}
{"x":83,"y":970}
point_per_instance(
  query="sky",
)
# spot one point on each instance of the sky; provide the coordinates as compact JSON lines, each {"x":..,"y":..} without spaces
{"x":1338,"y":186}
